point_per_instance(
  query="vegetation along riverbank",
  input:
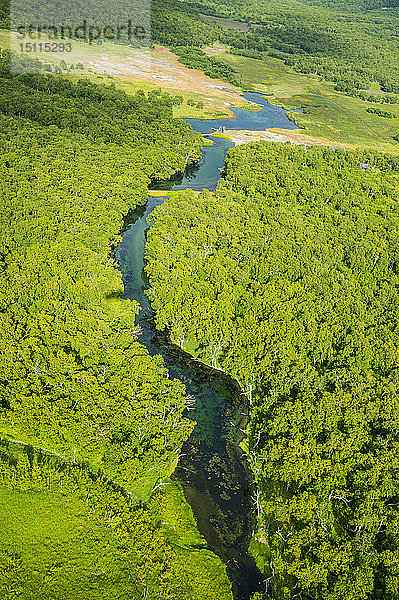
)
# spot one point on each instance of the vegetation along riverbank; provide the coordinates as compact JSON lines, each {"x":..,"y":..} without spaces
{"x":75,"y":379}
{"x":288,"y":282}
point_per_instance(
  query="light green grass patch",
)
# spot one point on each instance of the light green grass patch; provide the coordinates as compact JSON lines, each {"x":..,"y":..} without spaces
{"x":222,"y":135}
{"x":175,"y":517}
{"x":62,"y":549}
{"x":328,"y":114}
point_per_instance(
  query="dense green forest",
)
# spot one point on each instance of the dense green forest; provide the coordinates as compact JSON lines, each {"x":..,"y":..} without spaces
{"x":195,"y":58}
{"x":75,"y":380}
{"x":74,"y":534}
{"x":287,"y":278}
{"x":347,"y":43}
{"x":75,"y":159}
{"x":176,"y":24}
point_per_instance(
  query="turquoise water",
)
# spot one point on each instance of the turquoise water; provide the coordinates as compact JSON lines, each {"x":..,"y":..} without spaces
{"x":207,"y":172}
{"x":213,"y":472}
{"x":268,"y":116}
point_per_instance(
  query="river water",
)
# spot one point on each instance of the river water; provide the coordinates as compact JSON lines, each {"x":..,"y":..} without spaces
{"x":213,"y":471}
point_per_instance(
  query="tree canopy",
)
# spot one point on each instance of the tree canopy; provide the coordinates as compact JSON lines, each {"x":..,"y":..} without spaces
{"x":100,"y":419}
{"x":286,"y":277}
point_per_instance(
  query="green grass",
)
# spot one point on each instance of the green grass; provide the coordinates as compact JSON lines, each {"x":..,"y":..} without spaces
{"x":176,"y":519}
{"x":203,"y":568}
{"x":221,"y":135}
{"x":168,"y":193}
{"x":64,"y":553}
{"x":89,"y":54}
{"x":177,"y":524}
{"x":192,"y":112}
{"x":329,"y":114}
{"x":183,"y":111}
{"x":60,"y":541}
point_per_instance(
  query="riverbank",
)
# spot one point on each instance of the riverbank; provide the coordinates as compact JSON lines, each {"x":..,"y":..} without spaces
{"x":210,"y":468}
{"x":282,"y":136}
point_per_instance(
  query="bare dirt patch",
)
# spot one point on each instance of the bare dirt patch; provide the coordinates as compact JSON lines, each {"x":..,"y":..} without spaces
{"x":280,"y":135}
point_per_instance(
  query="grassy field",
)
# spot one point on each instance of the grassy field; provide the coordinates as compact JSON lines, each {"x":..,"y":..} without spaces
{"x":52,"y":546}
{"x":327,"y":113}
{"x":150,"y":69}
{"x":176,"y":519}
{"x":59,"y":540}
{"x":61,"y":548}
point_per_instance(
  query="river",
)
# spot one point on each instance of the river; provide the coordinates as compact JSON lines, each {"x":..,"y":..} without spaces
{"x":213,"y":471}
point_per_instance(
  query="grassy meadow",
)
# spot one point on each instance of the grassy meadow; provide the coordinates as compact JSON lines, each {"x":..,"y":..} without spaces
{"x":327,"y":113}
{"x":132,"y":70}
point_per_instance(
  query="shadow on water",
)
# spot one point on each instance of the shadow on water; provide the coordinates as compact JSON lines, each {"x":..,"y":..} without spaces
{"x":213,"y":470}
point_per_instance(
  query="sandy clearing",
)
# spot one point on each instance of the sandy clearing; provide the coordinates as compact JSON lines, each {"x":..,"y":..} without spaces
{"x":166,"y":78}
{"x":221,"y":88}
{"x":280,"y":135}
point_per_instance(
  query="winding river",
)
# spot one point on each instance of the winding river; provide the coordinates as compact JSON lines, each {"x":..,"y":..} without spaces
{"x":213,"y":471}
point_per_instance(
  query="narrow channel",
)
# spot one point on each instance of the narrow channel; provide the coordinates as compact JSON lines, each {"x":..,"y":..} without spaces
{"x":213,"y":471}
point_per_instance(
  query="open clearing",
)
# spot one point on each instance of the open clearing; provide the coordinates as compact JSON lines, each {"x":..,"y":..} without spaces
{"x":327,"y":114}
{"x":295,"y":136}
{"x":132,"y":69}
